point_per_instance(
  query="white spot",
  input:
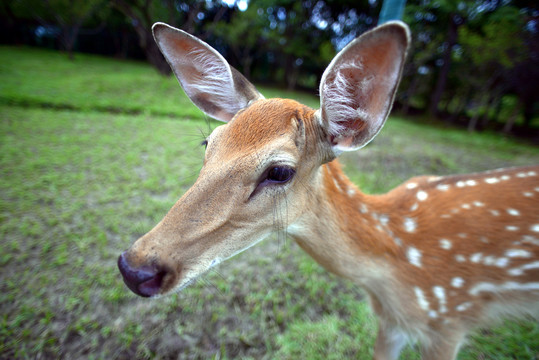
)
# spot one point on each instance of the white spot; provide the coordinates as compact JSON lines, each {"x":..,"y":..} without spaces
{"x":466,"y":206}
{"x":464,"y":306}
{"x":515,"y":272}
{"x":433,"y":314}
{"x":530,"y":239}
{"x":471,"y":182}
{"x":527,"y":194}
{"x":414,"y":256}
{"x":460,"y":184}
{"x":534,"y":228}
{"x":423,"y":303}
{"x":462,"y":235}
{"x":412,"y":185}
{"x":363,"y":208}
{"x":495,"y":212}
{"x":445,"y":244}
{"x":532,"y":173}
{"x":507,"y":286}
{"x":439,"y":292}
{"x":511,"y":228}
{"x":520,"y":270}
{"x":536,"y":189}
{"x":457,"y":282}
{"x":445,"y":216}
{"x":414,"y":207}
{"x":478,"y":204}
{"x":475,"y":258}
{"x":491,"y":180}
{"x":422,"y":195}
{"x":505,"y":177}
{"x":521,"y":175}
{"x":533,"y":265}
{"x":483,"y":239}
{"x":518,"y":253}
{"x":502,"y":262}
{"x":460,"y":258}
{"x":442,"y":187}
{"x":337,"y":184}
{"x":351,"y":191}
{"x":409,"y":224}
{"x":384,"y":219}
{"x":489,"y":260}
{"x":398,"y":241}
{"x":513,"y":212}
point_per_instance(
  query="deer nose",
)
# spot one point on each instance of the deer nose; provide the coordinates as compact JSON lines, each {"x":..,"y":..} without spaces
{"x":144,"y":281}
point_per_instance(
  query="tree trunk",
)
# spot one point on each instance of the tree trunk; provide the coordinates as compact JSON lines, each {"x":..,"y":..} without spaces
{"x":462,"y":103}
{"x":143,"y":29}
{"x":528,"y":111}
{"x":491,"y":107}
{"x":291,"y":72}
{"x":410,"y":92}
{"x":511,"y":120}
{"x":444,"y":70}
{"x":69,"y":36}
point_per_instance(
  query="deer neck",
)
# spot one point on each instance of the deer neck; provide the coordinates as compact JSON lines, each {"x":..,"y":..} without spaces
{"x":344,"y":230}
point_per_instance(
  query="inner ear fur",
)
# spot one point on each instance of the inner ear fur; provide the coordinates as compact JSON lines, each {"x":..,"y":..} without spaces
{"x":359,"y":85}
{"x":206,"y":77}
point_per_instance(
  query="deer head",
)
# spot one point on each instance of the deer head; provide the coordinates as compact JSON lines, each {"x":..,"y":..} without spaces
{"x":261,"y":168}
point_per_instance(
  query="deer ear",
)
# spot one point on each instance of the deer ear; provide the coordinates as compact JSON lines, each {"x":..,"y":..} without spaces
{"x":358,"y":87}
{"x":208,"y":80}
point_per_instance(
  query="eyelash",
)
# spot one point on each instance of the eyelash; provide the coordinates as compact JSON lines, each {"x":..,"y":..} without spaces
{"x":204,"y":143}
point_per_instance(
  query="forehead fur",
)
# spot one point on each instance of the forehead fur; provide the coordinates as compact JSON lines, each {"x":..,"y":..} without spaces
{"x":263,"y":122}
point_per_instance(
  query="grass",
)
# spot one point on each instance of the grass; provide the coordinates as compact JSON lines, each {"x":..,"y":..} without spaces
{"x":92,"y":155}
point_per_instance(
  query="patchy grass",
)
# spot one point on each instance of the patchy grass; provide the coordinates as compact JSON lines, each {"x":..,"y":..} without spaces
{"x":79,"y":184}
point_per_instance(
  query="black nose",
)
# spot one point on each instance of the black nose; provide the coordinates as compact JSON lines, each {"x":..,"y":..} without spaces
{"x":145,"y":281}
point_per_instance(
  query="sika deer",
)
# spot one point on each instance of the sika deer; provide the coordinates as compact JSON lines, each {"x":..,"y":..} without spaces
{"x":437,"y":255}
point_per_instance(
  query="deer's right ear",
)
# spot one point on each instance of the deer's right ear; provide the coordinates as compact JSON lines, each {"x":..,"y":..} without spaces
{"x":358,"y":87}
{"x":208,"y":80}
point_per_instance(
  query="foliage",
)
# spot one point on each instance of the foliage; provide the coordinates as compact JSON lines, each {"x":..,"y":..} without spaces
{"x":467,"y":59}
{"x":81,"y":181}
{"x":488,"y":44}
{"x":69,"y":15}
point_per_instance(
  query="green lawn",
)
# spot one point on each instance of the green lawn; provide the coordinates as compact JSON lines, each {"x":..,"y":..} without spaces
{"x":94,"y":152}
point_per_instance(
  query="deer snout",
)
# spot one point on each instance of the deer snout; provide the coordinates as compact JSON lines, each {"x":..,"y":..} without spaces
{"x":145,"y":281}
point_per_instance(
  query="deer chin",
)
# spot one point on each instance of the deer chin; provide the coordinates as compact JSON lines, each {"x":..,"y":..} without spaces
{"x":204,"y":266}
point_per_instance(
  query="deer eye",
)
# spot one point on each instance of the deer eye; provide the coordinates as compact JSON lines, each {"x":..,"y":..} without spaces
{"x":280,"y":174}
{"x":276,"y":175}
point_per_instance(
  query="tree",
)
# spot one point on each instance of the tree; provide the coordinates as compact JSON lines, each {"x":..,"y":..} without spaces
{"x":69,"y":15}
{"x":466,"y":47}
{"x":294,"y":40}
{"x":142,"y":14}
{"x":490,"y":49}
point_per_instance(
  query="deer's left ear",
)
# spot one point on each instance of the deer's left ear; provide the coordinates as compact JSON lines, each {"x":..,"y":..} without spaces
{"x":358,"y":87}
{"x":209,"y":81}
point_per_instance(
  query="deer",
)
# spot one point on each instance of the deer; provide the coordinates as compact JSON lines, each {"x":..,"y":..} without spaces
{"x":437,"y":256}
